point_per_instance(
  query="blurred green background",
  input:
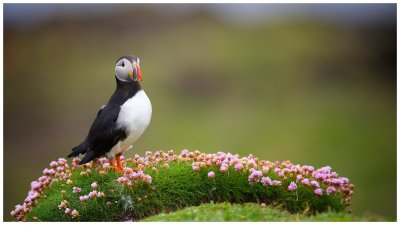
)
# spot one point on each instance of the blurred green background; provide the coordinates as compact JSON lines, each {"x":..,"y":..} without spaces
{"x":312,"y":83}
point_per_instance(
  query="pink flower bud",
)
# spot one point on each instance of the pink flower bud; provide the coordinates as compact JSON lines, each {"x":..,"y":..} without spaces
{"x":292,"y":186}
{"x":76,"y":189}
{"x":318,"y":192}
{"x":74,"y":213}
{"x":211,"y":175}
{"x":53,"y":164}
{"x":68,"y":211}
{"x":94,"y":185}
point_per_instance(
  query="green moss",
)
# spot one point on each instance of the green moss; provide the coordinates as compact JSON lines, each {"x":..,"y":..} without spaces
{"x":248,"y":212}
{"x":172,"y":189}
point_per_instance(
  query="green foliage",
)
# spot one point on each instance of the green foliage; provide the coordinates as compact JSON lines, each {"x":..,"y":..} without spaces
{"x":172,"y":189}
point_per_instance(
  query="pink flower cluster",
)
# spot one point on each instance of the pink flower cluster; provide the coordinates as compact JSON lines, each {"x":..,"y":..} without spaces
{"x":93,"y":194}
{"x":269,"y":174}
{"x":64,"y":205}
{"x":292,"y":186}
{"x":130,"y":177}
{"x":59,"y":171}
{"x":321,"y":180}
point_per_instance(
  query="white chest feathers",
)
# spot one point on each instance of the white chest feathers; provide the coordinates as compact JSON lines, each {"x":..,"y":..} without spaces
{"x":135,"y":115}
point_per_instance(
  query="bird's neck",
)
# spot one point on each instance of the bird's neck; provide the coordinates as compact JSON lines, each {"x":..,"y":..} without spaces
{"x":125,"y":91}
{"x":129,"y":87}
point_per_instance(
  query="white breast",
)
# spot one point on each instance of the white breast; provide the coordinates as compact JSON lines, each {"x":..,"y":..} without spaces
{"x":135,"y":115}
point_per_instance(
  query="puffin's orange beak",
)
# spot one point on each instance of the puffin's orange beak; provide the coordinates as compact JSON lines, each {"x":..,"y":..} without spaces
{"x":139,"y":73}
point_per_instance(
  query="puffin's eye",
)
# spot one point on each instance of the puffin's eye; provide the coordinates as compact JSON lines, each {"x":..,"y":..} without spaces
{"x":123,"y":64}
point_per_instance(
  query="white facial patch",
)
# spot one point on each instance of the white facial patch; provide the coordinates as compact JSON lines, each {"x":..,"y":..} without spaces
{"x":122,"y":69}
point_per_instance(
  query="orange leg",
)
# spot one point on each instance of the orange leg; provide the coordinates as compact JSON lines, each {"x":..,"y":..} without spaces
{"x":119,"y":165}
{"x":116,"y":165}
{"x":112,"y":163}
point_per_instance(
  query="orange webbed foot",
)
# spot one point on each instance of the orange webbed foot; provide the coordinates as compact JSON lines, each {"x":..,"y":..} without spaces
{"x":117,"y":166}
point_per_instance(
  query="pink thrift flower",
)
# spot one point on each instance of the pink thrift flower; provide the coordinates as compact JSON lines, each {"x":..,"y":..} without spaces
{"x":184,"y":153}
{"x":19,"y":208}
{"x":276,"y":183}
{"x":51,"y":172}
{"x":318,"y":192}
{"x":94,"y":185}
{"x":128,"y":170}
{"x":62,"y":161}
{"x":135,"y":176}
{"x":69,"y":182}
{"x":74,"y":213}
{"x":63,"y":204}
{"x":317,"y":175}
{"x":292,"y":186}
{"x":20,"y":217}
{"x":315,"y":184}
{"x":36,"y":185}
{"x":84,"y":198}
{"x":93,"y":194}
{"x":251,"y":163}
{"x":122,"y":180}
{"x":106,"y":166}
{"x":147,"y":179}
{"x":308,"y":168}
{"x":191,"y":154}
{"x":266,"y":181}
{"x":196,"y":168}
{"x":101,"y":160}
{"x":68,"y":211}
{"x":299,"y":177}
{"x":101,"y":195}
{"x":76,"y":189}
{"x":255,"y":176}
{"x":211,"y":175}
{"x":238,"y":166}
{"x":129,"y":183}
{"x":305,"y":181}
{"x":223,"y":169}
{"x":42,"y":178}
{"x":222,"y":156}
{"x":330,"y":190}
{"x":53,"y":164}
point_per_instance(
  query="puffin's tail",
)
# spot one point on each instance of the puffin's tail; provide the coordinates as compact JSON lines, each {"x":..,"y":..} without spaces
{"x":90,"y":155}
{"x":80,"y":149}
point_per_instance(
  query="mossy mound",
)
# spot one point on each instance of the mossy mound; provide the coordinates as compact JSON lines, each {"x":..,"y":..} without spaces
{"x":165,"y":182}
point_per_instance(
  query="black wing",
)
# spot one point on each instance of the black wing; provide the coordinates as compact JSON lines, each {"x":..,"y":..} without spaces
{"x":104,"y":133}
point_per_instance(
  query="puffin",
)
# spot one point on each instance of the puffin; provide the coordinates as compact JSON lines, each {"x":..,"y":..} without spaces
{"x":120,"y":122}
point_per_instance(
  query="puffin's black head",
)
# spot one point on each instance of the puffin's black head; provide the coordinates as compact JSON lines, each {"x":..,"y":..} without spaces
{"x":128,"y":69}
